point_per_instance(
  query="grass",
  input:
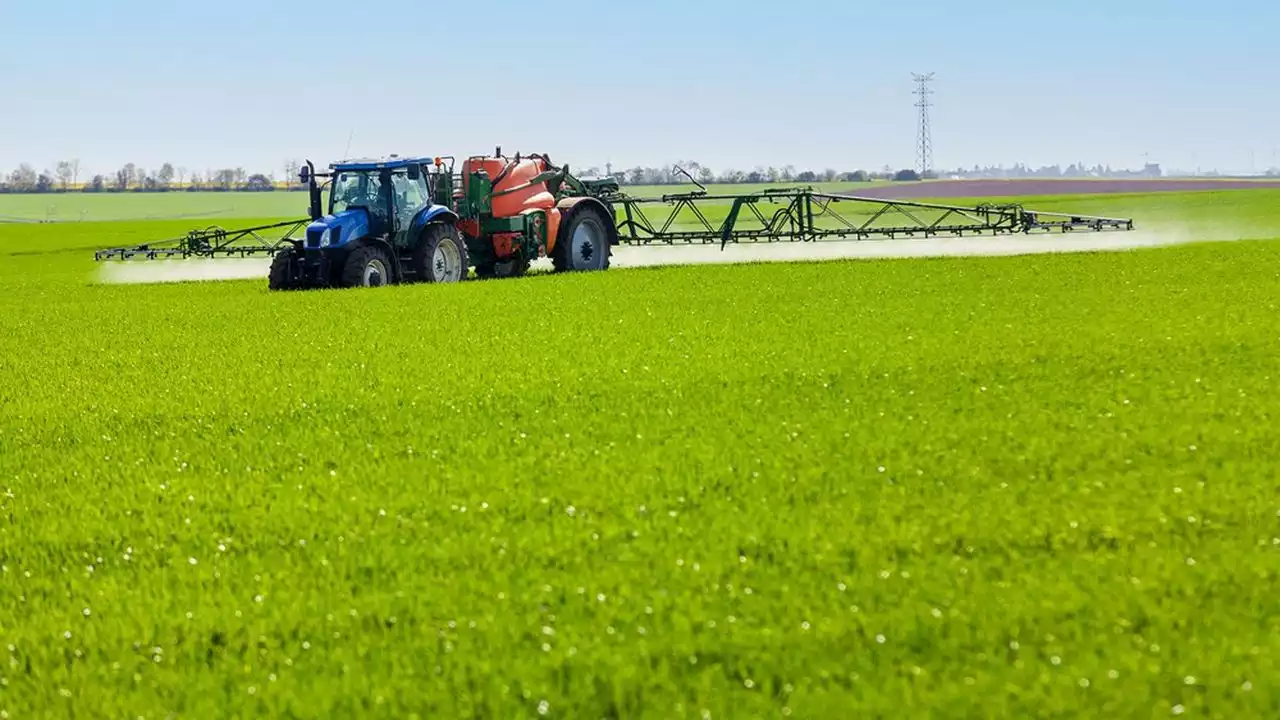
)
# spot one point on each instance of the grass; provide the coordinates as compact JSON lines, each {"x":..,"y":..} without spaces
{"x":1035,"y":486}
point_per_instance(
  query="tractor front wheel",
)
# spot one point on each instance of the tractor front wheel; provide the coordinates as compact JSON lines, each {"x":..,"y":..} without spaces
{"x":281,"y":275}
{"x":367,"y":266}
{"x":441,"y":256}
{"x":583,"y":241}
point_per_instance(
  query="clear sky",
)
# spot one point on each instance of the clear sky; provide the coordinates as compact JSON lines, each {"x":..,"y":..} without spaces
{"x":744,"y":83}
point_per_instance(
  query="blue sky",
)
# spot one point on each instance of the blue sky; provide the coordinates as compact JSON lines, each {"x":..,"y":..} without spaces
{"x":811,"y":83}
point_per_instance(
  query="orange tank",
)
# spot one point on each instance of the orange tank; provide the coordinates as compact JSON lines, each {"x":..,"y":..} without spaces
{"x":514,"y":194}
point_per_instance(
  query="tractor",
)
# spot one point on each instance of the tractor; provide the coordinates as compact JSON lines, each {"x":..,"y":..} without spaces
{"x":383,"y":226}
{"x":406,"y":220}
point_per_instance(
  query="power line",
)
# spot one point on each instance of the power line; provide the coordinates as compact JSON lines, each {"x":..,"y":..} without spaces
{"x":924,"y":135}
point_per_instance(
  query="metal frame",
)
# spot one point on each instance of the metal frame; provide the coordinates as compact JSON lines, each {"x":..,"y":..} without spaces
{"x":213,"y":242}
{"x":799,"y":214}
{"x":805,"y":215}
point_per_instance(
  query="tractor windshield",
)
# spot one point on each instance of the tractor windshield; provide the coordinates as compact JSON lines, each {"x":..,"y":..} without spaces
{"x":358,"y":189}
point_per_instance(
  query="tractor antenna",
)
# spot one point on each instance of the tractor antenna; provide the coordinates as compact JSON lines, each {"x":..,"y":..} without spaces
{"x":924,"y":138}
{"x":346,"y":154}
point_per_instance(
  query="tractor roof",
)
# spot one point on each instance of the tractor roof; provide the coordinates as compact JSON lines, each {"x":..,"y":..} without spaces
{"x":392,"y":162}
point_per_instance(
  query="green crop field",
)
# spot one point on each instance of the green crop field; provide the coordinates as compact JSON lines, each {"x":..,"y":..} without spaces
{"x":968,"y":487}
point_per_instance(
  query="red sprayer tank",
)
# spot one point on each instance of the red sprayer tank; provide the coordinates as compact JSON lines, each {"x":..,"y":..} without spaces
{"x":513,"y":193}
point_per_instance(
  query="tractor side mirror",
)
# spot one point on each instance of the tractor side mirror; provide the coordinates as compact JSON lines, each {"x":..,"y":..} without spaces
{"x":304,"y":174}
{"x":415,"y":172}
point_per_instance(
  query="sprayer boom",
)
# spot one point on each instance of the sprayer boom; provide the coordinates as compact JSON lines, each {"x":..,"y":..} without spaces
{"x":802,"y":214}
{"x":213,"y":242}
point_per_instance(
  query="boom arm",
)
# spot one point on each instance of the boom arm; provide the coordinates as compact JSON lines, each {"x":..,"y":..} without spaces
{"x":214,"y":242}
{"x":802,"y":214}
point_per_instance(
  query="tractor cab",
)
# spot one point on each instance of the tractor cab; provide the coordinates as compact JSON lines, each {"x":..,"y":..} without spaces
{"x":382,"y":197}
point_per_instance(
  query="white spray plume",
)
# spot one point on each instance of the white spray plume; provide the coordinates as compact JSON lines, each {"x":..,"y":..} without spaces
{"x":655,"y":255}
{"x":162,"y":271}
{"x":165,"y":271}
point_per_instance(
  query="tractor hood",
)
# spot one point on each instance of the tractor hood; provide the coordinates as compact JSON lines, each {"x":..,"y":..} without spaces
{"x":338,"y":229}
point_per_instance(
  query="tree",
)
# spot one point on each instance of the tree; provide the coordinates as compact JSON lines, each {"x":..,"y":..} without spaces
{"x":23,"y":179}
{"x":705,"y":176}
{"x":259,"y":183}
{"x":906,"y":175}
{"x":44,"y":183}
{"x":807,"y":176}
{"x":125,"y":176}
{"x":165,"y":176}
{"x":75,"y":171}
{"x":182,"y":175}
{"x":64,"y":173}
{"x":223,"y":179}
{"x":96,"y":184}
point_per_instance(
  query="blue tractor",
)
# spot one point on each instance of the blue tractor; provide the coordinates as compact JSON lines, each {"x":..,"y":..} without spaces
{"x":388,"y":222}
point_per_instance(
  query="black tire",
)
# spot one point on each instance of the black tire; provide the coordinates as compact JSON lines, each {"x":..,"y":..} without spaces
{"x":585,"y":239}
{"x":281,"y":275}
{"x":367,"y":266}
{"x":441,"y":255}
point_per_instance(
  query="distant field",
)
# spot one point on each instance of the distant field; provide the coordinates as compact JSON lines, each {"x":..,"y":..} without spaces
{"x":99,"y":207}
{"x":1226,"y":215}
{"x":1159,"y":217}
{"x":196,"y":207}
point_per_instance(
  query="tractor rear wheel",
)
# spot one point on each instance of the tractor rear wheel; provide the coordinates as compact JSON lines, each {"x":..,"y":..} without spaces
{"x":281,"y":275}
{"x":441,"y":255}
{"x":583,"y":241}
{"x":367,"y":266}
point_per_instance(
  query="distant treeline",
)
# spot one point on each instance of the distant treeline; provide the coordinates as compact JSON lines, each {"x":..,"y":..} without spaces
{"x":131,"y":178}
{"x":168,"y":178}
{"x":682,"y":173}
{"x":65,"y":177}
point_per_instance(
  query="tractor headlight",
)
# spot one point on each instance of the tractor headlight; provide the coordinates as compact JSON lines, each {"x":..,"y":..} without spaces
{"x":324,"y":237}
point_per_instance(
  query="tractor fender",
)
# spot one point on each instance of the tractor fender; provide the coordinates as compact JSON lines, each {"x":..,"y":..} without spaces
{"x":430,"y":214}
{"x":567,"y":205}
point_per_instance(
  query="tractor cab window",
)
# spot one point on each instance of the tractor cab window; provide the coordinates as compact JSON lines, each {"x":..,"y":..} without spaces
{"x":359,"y":189}
{"x":410,"y":195}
